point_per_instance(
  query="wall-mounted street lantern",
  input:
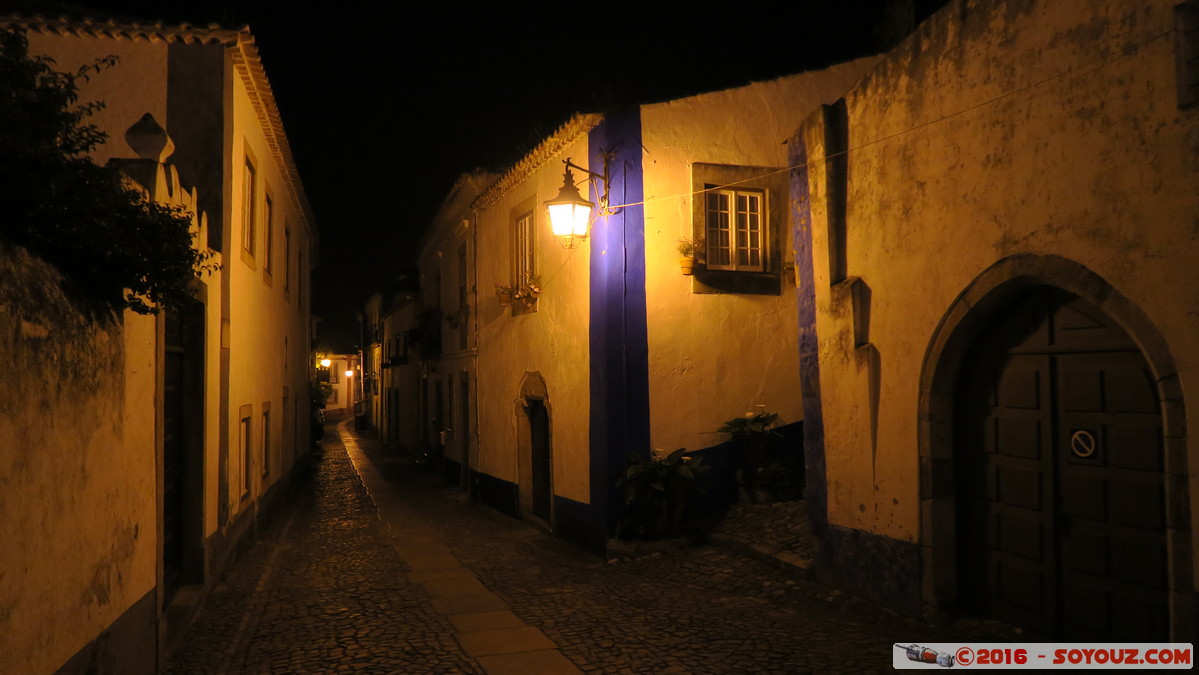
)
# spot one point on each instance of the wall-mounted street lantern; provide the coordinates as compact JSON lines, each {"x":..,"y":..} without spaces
{"x":349,"y":373}
{"x":325,"y":363}
{"x":569,"y":213}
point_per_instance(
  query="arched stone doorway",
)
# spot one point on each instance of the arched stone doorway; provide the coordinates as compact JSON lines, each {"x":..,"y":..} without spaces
{"x":534,"y":451}
{"x":1042,"y":541}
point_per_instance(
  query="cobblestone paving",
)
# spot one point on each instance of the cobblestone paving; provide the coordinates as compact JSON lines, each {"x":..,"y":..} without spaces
{"x":328,"y":593}
{"x":693,"y":610}
{"x":774,"y":528}
{"x":322,"y":591}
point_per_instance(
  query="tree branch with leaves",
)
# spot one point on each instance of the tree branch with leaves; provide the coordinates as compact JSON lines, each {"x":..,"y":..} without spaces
{"x":114,"y":244}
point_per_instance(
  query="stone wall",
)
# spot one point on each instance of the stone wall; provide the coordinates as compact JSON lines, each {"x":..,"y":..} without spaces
{"x":1000,"y":131}
{"x":77,"y":476}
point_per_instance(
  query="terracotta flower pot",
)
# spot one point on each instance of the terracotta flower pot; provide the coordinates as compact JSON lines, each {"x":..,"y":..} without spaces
{"x":687,"y":266}
{"x":505,"y":299}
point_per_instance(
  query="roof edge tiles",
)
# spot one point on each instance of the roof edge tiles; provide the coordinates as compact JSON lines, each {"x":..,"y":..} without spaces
{"x":568,"y":133}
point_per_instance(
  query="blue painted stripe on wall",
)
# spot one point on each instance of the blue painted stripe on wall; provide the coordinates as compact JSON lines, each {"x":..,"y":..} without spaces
{"x":618,"y":334}
{"x":815,"y":488}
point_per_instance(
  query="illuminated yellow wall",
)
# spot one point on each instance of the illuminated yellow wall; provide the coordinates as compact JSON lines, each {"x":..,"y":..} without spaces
{"x":77,"y":433}
{"x":552,"y":341}
{"x":1025,"y":127}
{"x":77,"y":456}
{"x":263,"y":315}
{"x":716,"y":356}
{"x":101,"y":502}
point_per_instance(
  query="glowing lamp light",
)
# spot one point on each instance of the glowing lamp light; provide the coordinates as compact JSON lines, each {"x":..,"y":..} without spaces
{"x":570,"y":214}
{"x":325,"y":363}
{"x":349,"y":373}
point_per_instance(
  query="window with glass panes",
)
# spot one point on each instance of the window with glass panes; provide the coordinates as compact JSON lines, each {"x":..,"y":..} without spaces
{"x":525,"y":248}
{"x":735,"y":224}
{"x":248,"y":198}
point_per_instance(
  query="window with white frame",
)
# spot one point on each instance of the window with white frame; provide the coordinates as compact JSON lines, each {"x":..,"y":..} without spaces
{"x":268,"y":236}
{"x":246,"y":441}
{"x":526,"y":248}
{"x":735,"y":223}
{"x":248,"y":207}
{"x":266,"y":438}
{"x":739,"y":228}
{"x":286,"y":257}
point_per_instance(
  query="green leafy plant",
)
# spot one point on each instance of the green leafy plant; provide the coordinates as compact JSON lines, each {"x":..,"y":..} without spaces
{"x":688,"y":246}
{"x":426,"y":336}
{"x":657,"y":494}
{"x":320,"y":393}
{"x":529,"y":288}
{"x":762,"y":472}
{"x":105,"y":236}
{"x":751,"y":433}
{"x":458,"y":316}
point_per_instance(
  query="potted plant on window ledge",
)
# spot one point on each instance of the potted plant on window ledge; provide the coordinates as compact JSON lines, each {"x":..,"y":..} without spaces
{"x":687,"y":248}
{"x":528,"y":290}
{"x":457,"y":317}
{"x":504,"y":293}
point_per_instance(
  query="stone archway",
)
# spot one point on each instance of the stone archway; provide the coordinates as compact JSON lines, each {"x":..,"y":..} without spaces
{"x":952,"y":341}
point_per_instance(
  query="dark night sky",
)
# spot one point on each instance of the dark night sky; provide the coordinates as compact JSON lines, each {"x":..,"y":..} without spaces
{"x":385,"y":107}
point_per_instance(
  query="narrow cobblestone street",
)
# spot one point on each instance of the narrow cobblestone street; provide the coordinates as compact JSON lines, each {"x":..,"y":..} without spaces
{"x":382,"y":570}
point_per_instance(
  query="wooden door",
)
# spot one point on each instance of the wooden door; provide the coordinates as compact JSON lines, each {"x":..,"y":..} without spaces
{"x":182,"y":448}
{"x":1061,"y":492}
{"x":539,"y":437}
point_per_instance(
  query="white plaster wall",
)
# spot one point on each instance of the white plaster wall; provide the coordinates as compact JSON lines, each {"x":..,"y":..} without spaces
{"x":77,"y":468}
{"x":1033,"y":127}
{"x":117,"y":496}
{"x":405,"y":378}
{"x":261,"y":313}
{"x":136,"y":85}
{"x":79,"y":488}
{"x":713,"y":357}
{"x":554,"y":340}
{"x":439,"y":262}
{"x":212,"y":397}
{"x":341,"y":400}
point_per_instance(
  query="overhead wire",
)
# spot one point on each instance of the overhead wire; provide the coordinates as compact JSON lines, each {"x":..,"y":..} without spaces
{"x":1098,"y":64}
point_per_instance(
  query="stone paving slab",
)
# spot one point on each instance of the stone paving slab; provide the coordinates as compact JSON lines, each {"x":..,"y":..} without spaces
{"x":465,"y":623}
{"x":504,"y":641}
{"x":438,"y":575}
{"x":442,"y":561}
{"x":548,"y":662}
{"x":480,"y":602}
{"x":453,"y":588}
{"x":422,"y":550}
